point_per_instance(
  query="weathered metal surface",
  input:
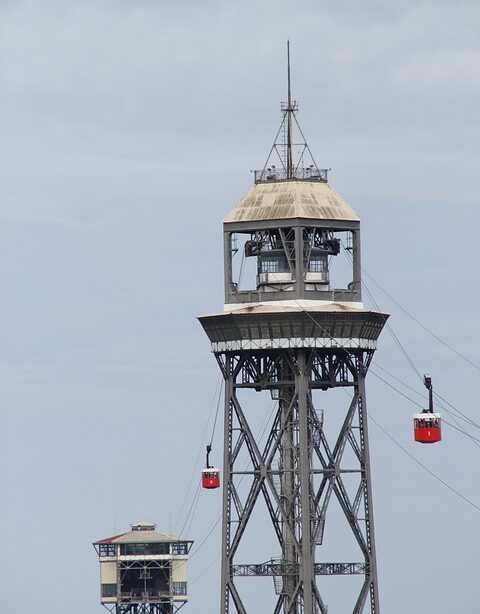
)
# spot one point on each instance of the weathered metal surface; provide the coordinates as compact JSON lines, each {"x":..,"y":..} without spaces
{"x":291,"y":199}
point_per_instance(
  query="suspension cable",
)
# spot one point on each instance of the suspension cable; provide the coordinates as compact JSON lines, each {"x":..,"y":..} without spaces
{"x":214,"y":525}
{"x":472,"y":422}
{"x":458,"y":428}
{"x":404,"y":352}
{"x":200,"y":448}
{"x":372,"y":419}
{"x":456,"y":492}
{"x":412,"y":317}
{"x":462,"y":416}
{"x":216,"y":412}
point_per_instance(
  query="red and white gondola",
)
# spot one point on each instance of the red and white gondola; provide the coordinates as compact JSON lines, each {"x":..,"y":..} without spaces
{"x":427,"y":425}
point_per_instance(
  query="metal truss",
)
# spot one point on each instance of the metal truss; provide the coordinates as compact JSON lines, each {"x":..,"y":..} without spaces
{"x":145,"y":602}
{"x":280,"y":568}
{"x":297,"y":473}
{"x":144,"y":608}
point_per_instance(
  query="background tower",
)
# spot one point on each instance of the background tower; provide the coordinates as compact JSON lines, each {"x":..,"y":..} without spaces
{"x":298,"y":333}
{"x":143,"y":571}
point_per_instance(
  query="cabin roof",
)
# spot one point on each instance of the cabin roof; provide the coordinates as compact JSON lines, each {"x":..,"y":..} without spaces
{"x":291,"y":199}
{"x":142,"y":537}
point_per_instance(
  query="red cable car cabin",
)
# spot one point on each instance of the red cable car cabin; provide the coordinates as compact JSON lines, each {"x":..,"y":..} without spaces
{"x":427,"y":427}
{"x":211,"y":477}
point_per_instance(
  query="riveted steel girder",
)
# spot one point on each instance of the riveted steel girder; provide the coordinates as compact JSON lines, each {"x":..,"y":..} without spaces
{"x":297,"y":472}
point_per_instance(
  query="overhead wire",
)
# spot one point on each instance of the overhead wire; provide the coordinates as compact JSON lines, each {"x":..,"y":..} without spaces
{"x":216,"y":414}
{"x":411,"y":316}
{"x":454,"y":417}
{"x":193,"y":506}
{"x":195,"y":465}
{"x":461,"y":430}
{"x":461,"y":415}
{"x":392,"y":438}
{"x":387,"y":324}
{"x":206,"y":570}
{"x":464,"y":416}
{"x":191,"y":510}
{"x":457,"y":428}
{"x":414,"y":368}
{"x":450,"y":347}
{"x":387,"y":383}
{"x":215,"y":523}
{"x":372,"y":419}
{"x":425,"y":328}
{"x":432,"y":473}
{"x":403,"y":350}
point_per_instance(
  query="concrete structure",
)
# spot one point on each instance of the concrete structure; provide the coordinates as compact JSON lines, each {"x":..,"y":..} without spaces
{"x":143,"y":571}
{"x":295,"y":332}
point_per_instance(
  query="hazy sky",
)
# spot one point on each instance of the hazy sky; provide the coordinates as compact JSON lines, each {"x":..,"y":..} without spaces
{"x":128,"y":129}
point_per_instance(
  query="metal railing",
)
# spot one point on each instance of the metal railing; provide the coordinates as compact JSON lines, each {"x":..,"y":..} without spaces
{"x":272,"y":175}
{"x":144,"y":595}
{"x":282,"y":568}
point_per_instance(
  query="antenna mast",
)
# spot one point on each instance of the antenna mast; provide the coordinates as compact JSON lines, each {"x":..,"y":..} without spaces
{"x":284,"y":143}
{"x":289,"y":110}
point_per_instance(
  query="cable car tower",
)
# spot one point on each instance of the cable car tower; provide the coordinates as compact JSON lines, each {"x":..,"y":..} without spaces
{"x":300,"y":335}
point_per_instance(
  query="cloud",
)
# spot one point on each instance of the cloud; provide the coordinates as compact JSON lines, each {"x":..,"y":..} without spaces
{"x":113,"y":100}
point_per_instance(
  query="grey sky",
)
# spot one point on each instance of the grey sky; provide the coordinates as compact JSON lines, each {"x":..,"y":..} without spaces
{"x":128,"y":130}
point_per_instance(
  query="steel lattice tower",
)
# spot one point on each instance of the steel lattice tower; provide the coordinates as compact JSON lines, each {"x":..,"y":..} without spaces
{"x":297,"y":337}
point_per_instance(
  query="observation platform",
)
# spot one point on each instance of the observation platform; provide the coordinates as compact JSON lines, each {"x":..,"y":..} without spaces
{"x":268,"y":326}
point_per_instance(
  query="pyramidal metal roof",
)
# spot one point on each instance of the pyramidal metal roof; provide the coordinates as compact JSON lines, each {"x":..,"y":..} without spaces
{"x":291,"y":199}
{"x":141,"y":537}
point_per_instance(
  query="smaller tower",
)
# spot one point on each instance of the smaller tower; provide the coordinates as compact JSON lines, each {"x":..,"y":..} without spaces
{"x":143,"y":571}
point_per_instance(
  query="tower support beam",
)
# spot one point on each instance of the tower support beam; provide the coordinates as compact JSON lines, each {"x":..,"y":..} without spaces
{"x":297,"y":473}
{"x":304,"y":441}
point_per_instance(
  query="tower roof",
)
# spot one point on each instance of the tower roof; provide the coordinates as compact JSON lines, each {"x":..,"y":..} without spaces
{"x":291,"y":199}
{"x":141,"y":537}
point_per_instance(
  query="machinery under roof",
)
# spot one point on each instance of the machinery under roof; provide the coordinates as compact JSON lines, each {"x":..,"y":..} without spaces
{"x":291,"y":199}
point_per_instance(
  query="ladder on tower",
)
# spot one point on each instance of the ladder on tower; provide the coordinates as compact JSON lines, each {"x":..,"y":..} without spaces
{"x":318,"y":427}
{"x":319,"y":526}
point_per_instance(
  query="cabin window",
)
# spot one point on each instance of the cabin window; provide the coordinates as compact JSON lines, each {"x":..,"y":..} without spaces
{"x":273,"y":264}
{"x":179,"y":588}
{"x":140,"y":549}
{"x":180,"y":548}
{"x":318,"y":264}
{"x":106,"y":550}
{"x":109,"y":590}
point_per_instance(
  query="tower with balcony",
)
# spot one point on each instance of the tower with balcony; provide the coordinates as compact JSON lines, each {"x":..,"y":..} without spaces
{"x":294,"y":330}
{"x":143,"y":571}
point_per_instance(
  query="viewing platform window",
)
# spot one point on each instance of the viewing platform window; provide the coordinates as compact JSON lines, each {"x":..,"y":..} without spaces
{"x":180,"y":548}
{"x":179,"y":588}
{"x":106,"y":549}
{"x":270,"y":263}
{"x":109,"y":590}
{"x":144,"y":549}
{"x":318,"y":264}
